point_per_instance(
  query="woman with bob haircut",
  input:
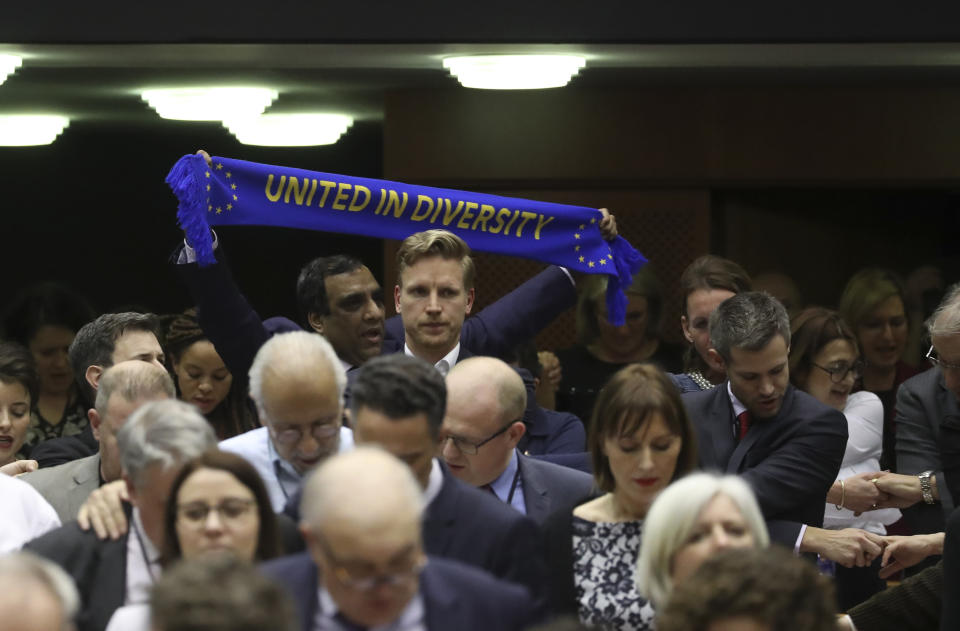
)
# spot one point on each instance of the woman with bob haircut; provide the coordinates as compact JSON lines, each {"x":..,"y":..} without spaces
{"x":218,"y":503}
{"x":825,"y":363}
{"x":688,"y":523}
{"x":640,"y":439}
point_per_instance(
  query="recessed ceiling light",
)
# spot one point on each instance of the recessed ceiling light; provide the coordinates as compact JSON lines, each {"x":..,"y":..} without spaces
{"x":290,"y":130}
{"x":8,"y":64}
{"x":22,"y":130}
{"x":210,"y":103}
{"x":514,"y":72}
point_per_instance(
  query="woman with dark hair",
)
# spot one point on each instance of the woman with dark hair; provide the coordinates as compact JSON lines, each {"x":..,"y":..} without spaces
{"x":218,"y":503}
{"x":45,"y":318}
{"x":217,"y":506}
{"x":19,"y":385}
{"x":824,"y":362}
{"x":640,"y":440}
{"x":707,"y":281}
{"x":873,"y":305}
{"x":203,"y":380}
{"x":603,"y":349}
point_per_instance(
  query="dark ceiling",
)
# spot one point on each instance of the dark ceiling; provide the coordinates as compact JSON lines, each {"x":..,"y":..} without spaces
{"x":101,"y":82}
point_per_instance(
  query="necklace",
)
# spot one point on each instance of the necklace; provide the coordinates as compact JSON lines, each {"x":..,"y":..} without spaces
{"x":700,"y":380}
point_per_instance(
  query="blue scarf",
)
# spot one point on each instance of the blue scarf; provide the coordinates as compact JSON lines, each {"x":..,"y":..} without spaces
{"x":235,"y":192}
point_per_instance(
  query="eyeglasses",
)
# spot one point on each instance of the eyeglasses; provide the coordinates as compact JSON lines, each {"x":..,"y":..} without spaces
{"x":362,"y":577}
{"x":936,"y":361}
{"x":838,"y":370}
{"x":231,"y":510}
{"x":292,"y":435}
{"x":469,"y":447}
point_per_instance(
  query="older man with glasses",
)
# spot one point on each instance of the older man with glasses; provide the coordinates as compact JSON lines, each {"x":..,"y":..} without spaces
{"x":297,"y":384}
{"x":366,"y":567}
{"x":927,"y":481}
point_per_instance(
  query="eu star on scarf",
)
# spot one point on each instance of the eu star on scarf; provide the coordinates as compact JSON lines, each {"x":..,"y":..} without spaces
{"x":235,"y":192}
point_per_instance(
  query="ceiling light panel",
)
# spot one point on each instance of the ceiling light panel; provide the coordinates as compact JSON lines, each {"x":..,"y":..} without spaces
{"x":22,"y":130}
{"x":210,"y":103}
{"x":290,"y":130}
{"x":514,"y":72}
{"x":8,"y":65}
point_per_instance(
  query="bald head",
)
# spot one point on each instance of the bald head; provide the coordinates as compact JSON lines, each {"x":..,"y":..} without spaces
{"x":363,"y":487}
{"x":489,"y":382}
{"x":486,"y":400}
{"x":361,"y":521}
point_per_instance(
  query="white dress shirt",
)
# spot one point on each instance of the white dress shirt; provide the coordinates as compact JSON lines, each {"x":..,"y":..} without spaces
{"x":143,"y":563}
{"x":412,"y":618}
{"x":446,"y":363}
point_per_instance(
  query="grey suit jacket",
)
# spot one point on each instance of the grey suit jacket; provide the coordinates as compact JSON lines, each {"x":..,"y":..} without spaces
{"x":67,"y":486}
{"x":925,"y":412}
{"x":548,"y":487}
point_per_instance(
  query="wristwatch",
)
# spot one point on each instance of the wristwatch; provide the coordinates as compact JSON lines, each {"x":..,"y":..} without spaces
{"x":926,"y":489}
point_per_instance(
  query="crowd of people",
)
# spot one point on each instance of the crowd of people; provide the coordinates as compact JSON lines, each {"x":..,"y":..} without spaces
{"x":212,"y":470}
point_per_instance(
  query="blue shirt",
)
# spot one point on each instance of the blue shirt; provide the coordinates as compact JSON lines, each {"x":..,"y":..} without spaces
{"x":503,"y":484}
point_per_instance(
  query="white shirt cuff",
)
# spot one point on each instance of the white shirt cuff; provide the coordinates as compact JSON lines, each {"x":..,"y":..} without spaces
{"x":796,"y":546}
{"x":189,"y":255}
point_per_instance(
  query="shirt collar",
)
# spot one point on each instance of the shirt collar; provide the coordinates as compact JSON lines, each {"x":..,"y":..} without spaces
{"x":411,"y":615}
{"x":501,"y":486}
{"x":434,"y":483}
{"x":450,"y":358}
{"x":277,"y":461}
{"x":738,"y":408}
{"x":148,"y":546}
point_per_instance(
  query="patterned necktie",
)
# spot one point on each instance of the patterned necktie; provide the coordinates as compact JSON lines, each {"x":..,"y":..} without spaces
{"x":743,"y":419}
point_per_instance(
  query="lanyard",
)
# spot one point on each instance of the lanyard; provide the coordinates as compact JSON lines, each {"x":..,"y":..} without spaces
{"x":143,"y":550}
{"x":513,"y":485}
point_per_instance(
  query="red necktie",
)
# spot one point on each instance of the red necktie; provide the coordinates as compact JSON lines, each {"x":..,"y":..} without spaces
{"x":744,"y":424}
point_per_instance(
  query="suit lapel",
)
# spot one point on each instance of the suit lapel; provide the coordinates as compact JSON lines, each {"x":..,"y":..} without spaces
{"x":439,"y":518}
{"x":719,"y":426}
{"x":439,"y":603}
{"x":535,"y":496}
{"x":110,"y":588}
{"x":759,"y":431}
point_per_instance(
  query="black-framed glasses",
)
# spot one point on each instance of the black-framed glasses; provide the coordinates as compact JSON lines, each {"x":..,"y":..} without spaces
{"x":230,"y":510}
{"x":936,"y":361}
{"x":363,"y":576}
{"x":469,"y":447}
{"x":291,"y":435}
{"x":838,"y":371}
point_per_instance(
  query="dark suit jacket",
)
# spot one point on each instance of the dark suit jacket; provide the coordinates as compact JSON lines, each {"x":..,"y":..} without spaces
{"x":455,"y":596}
{"x":928,"y":439}
{"x":548,"y":487}
{"x":789,"y":460}
{"x":99,"y":568}
{"x":473,"y":527}
{"x":580,"y":461}
{"x":950,"y":616}
{"x":237,"y":332}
